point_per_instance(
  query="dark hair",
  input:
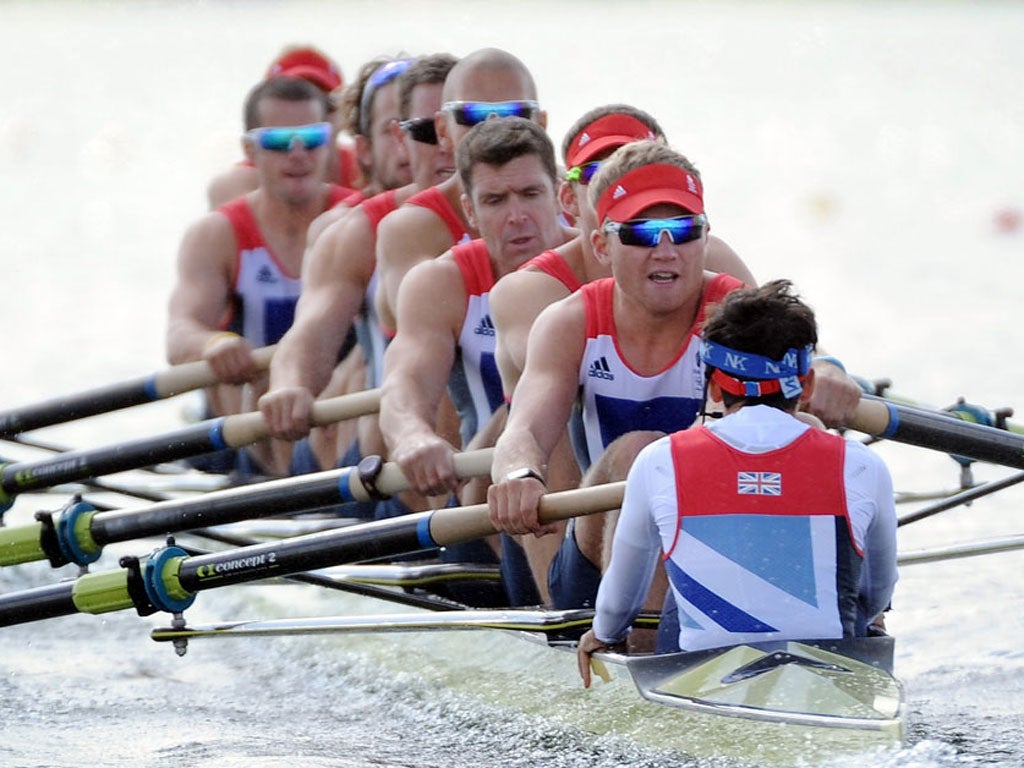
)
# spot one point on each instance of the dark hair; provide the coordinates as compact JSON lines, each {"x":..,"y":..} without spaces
{"x":609,"y":109}
{"x":767,"y":321}
{"x":285,"y":89}
{"x":425,"y":70}
{"x":501,"y":140}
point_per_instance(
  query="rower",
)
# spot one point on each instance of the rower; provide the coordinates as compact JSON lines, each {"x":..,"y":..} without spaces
{"x":313,"y":65}
{"x":618,"y":356}
{"x":445,"y":335}
{"x":519,"y":298}
{"x":771,"y":527}
{"x":239,"y":267}
{"x":339,"y":283}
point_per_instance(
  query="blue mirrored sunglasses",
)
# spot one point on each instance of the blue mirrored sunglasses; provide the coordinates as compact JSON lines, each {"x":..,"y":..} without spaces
{"x":472,"y":112}
{"x":583,"y":173}
{"x":285,"y":139}
{"x":647,"y":232}
{"x":420,"y":129}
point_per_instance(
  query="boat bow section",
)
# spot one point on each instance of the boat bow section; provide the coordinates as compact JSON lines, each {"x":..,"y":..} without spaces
{"x":830,"y":683}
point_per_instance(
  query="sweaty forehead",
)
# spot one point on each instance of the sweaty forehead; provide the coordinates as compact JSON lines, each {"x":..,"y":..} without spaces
{"x":498,"y":83}
{"x":520,"y":173}
{"x":282,"y":112}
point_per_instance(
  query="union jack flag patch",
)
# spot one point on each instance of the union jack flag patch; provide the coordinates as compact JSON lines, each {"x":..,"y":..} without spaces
{"x":759,"y":483}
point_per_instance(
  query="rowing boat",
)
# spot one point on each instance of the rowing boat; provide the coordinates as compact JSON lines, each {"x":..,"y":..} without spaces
{"x":762,"y":703}
{"x":767,"y":703}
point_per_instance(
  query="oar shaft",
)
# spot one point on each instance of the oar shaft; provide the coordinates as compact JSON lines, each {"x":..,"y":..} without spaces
{"x":226,"y":432}
{"x":80,"y":534}
{"x":112,"y":397}
{"x":169,"y":579}
{"x":939,"y":431}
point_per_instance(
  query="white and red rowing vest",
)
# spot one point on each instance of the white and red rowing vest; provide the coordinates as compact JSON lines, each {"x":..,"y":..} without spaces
{"x":475,"y":384}
{"x":262,"y":305}
{"x":615,"y":399}
{"x":764,"y":549}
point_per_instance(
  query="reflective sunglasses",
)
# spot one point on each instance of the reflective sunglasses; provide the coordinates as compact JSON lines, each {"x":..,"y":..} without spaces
{"x":472,"y":112}
{"x":647,"y":232}
{"x":583,"y":173}
{"x":420,"y":129}
{"x":286,"y":139}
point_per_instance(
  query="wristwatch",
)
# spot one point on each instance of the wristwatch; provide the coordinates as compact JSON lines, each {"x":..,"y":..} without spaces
{"x":524,"y":472}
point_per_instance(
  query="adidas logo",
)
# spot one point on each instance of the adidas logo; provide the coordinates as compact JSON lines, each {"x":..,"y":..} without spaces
{"x":691,"y":184}
{"x":620,"y":191}
{"x":599,"y":369}
{"x":486,"y":327}
{"x":584,"y":139}
{"x":265,"y":275}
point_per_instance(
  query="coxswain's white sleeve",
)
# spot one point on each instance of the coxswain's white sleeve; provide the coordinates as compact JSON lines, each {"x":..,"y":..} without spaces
{"x":636,"y":546}
{"x":869,"y":498}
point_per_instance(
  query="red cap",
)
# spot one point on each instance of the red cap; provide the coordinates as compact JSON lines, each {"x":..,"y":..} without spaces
{"x":607,"y":132}
{"x":309,"y":64}
{"x":650,"y":185}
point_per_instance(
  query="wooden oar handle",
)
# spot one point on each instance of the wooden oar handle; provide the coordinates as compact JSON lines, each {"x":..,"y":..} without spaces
{"x":872,"y":417}
{"x":195,"y":375}
{"x":467,"y":464}
{"x":449,"y":526}
{"x":247,"y":428}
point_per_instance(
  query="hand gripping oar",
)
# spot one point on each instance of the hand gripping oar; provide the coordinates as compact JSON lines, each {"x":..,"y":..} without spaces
{"x":168,"y":580}
{"x":938,"y":430}
{"x":79,"y":532}
{"x":204,"y":437}
{"x":146,"y":389}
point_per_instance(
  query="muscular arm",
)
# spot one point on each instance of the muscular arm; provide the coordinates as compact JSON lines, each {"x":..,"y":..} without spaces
{"x":515,"y":301}
{"x":200,"y":300}
{"x":417,"y":364}
{"x":405,"y":238}
{"x":335,"y":274}
{"x":538,"y":416}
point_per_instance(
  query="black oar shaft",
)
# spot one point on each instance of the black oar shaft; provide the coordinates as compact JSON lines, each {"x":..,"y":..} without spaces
{"x":79,"y":465}
{"x":304,"y":553}
{"x":112,"y":397}
{"x":80,"y":534}
{"x":961,"y":498}
{"x":170,"y":579}
{"x":939,"y":431}
{"x":226,"y":432}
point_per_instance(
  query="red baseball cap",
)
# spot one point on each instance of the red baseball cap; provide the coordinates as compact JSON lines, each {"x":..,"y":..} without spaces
{"x":309,"y":64}
{"x":650,"y":185}
{"x":607,"y":132}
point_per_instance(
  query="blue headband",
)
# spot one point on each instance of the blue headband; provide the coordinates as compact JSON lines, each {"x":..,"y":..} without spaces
{"x":381,"y":76}
{"x":750,"y":369}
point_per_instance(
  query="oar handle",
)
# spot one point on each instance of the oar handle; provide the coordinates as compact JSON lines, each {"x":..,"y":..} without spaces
{"x":112,"y":397}
{"x":79,"y":533}
{"x":457,"y":524}
{"x":247,"y":428}
{"x":170,"y":579}
{"x":197,"y":374}
{"x":226,"y":432}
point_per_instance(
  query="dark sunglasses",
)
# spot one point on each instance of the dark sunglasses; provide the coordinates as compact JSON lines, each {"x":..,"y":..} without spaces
{"x":647,"y":232}
{"x":583,"y":173}
{"x":285,"y":139}
{"x":420,"y":129}
{"x":472,"y":112}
